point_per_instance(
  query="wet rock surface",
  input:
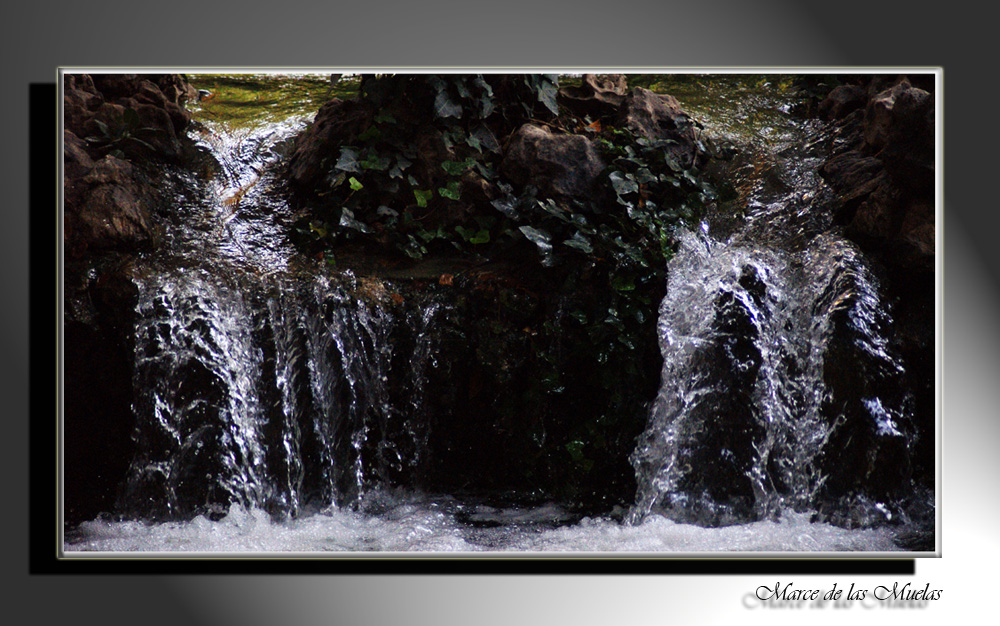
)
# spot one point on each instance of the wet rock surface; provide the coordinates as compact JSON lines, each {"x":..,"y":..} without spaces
{"x":118,"y":131}
{"x":109,"y":121}
{"x":882,"y":175}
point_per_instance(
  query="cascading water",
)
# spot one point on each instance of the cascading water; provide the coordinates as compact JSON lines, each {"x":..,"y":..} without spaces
{"x":776,"y":373}
{"x":779,"y":389}
{"x":258,"y":383}
{"x":278,"y":401}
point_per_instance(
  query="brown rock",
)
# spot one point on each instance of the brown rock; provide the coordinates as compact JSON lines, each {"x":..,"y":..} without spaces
{"x":80,"y":100}
{"x":875,"y":219}
{"x":880,"y":117}
{"x":109,"y":208}
{"x":843,"y":100}
{"x":317,"y":148}
{"x":597,"y":95}
{"x":557,"y":164}
{"x":659,"y":117}
{"x":76,"y":161}
{"x":105,"y":97}
{"x":916,"y":235}
{"x":148,"y":93}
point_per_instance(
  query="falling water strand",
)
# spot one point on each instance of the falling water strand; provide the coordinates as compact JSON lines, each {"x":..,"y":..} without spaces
{"x":779,"y":390}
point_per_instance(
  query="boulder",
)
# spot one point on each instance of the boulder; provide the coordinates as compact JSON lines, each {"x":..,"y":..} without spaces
{"x":843,"y":100}
{"x":105,"y":97}
{"x":899,"y":125}
{"x":557,"y":164}
{"x":108,"y":208}
{"x":596,"y":96}
{"x":659,"y":117}
{"x":316,"y":149}
{"x":80,"y":100}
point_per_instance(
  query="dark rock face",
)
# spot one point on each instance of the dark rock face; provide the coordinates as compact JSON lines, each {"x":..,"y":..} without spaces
{"x":335,"y":123}
{"x":107,"y":207}
{"x":97,"y":387}
{"x":158,"y":101}
{"x":843,"y":100}
{"x":558,"y":165}
{"x":883,"y":181}
{"x":111,"y":122}
{"x":115,"y":127}
{"x":597,"y":95}
{"x":659,"y":117}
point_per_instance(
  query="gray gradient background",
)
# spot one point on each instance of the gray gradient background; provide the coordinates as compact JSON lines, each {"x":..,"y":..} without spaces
{"x":38,"y":37}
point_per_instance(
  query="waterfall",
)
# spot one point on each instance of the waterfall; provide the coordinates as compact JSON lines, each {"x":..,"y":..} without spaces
{"x":779,"y":389}
{"x":281,"y":400}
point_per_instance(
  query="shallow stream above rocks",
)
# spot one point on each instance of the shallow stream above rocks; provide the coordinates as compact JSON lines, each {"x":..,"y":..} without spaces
{"x":330,"y":397}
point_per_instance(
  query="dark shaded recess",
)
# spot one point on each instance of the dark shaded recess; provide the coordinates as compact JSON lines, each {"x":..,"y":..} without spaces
{"x":883,"y":175}
{"x":915,"y":340}
{"x":494,"y":426}
{"x":98,"y":421}
{"x":859,"y":458}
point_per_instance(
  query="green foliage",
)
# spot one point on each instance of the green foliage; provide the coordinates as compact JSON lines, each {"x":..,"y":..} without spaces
{"x":401,"y":185}
{"x":399,"y":155}
{"x":123,"y":135}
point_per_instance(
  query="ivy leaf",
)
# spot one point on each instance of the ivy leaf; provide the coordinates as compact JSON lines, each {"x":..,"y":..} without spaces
{"x":451,"y":191}
{"x":375,"y":162}
{"x":538,"y":237}
{"x":486,"y":138}
{"x":621,"y":184}
{"x":643,"y":176}
{"x":463,"y":89}
{"x":372,"y":134}
{"x":319,"y":228}
{"x":423,"y":197}
{"x":457,"y":168}
{"x":623,"y":283}
{"x":579,"y":242}
{"x":480,"y":82}
{"x":347,"y":221}
{"x":401,"y":164}
{"x":506,"y":206}
{"x":547,"y":94}
{"x":348,"y":160}
{"x":444,"y":106}
{"x":483,"y":236}
{"x":355,"y":184}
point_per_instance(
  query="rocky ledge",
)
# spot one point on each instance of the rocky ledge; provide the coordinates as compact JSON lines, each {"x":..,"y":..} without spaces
{"x":118,"y":131}
{"x":882,"y":171}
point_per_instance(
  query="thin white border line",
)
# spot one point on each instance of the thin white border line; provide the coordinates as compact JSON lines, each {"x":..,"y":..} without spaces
{"x":938,"y":73}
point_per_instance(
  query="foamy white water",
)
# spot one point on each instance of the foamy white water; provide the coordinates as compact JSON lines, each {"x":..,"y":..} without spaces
{"x":415,"y":523}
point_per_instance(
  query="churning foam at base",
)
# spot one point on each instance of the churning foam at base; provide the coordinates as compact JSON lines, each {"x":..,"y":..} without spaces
{"x":443,"y":524}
